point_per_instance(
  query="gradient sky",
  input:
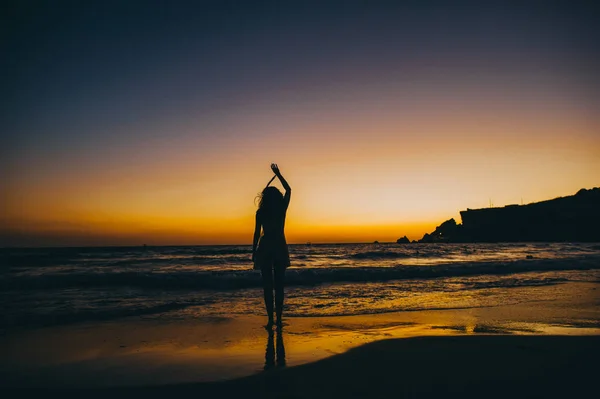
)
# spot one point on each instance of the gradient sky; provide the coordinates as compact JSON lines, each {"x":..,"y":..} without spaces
{"x":126,"y":123}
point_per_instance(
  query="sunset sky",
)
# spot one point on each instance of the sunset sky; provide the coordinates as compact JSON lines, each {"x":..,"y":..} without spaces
{"x":126,"y":123}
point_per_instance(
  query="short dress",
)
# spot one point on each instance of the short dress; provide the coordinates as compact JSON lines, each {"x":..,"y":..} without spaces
{"x":272,"y":252}
{"x":272,"y":248}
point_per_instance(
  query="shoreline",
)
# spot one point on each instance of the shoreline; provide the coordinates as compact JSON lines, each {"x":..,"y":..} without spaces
{"x":154,"y":352}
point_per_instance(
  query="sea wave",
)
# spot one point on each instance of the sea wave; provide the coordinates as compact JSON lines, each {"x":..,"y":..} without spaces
{"x":104,"y":310}
{"x":32,"y":319}
{"x":120,"y":256}
{"x":232,"y":280}
{"x":513,"y":283}
{"x":180,"y":260}
{"x":379,"y":255}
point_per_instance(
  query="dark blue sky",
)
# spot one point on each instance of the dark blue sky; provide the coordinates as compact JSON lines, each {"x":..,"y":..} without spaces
{"x":80,"y":60}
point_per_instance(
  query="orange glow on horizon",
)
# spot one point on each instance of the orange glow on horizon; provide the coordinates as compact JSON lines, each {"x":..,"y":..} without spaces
{"x":376,"y":169}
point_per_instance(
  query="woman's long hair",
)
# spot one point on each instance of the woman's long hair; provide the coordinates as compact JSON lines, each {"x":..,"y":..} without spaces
{"x":271,"y":202}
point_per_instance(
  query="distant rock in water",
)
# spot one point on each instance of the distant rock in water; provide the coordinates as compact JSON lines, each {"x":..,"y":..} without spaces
{"x":572,"y":218}
{"x":403,"y":240}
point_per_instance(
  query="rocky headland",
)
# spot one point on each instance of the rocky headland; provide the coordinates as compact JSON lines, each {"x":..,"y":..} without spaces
{"x":571,"y":218}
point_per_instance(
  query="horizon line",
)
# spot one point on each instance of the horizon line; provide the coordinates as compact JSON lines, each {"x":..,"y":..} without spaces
{"x":187,"y":245}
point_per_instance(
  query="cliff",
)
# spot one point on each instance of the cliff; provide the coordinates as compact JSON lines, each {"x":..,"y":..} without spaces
{"x":572,"y":218}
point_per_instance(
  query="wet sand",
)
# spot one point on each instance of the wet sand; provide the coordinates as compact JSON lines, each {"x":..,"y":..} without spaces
{"x":453,"y":350}
{"x":420,"y":367}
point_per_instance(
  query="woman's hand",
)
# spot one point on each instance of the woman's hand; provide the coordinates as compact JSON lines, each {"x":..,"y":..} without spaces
{"x":287,"y":187}
{"x":275,"y":169}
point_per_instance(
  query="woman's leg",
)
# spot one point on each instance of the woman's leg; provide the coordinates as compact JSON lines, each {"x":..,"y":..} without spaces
{"x":279,"y":282}
{"x":267,"y":280}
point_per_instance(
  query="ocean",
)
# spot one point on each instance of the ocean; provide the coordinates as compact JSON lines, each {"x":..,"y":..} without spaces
{"x":59,"y":286}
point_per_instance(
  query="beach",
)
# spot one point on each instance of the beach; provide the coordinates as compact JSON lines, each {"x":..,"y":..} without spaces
{"x":360,"y":320}
{"x":417,"y":353}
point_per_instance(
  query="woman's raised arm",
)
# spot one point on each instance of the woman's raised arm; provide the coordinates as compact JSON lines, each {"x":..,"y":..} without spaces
{"x":286,"y":186}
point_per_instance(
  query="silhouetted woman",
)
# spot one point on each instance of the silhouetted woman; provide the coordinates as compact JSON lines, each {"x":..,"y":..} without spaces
{"x":271,"y":255}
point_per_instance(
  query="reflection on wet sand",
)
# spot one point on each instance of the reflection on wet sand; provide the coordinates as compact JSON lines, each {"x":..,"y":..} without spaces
{"x":151,"y":352}
{"x":274,"y":356}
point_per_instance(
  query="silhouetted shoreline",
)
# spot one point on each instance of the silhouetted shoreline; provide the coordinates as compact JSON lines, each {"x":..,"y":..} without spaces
{"x":573,"y":218}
